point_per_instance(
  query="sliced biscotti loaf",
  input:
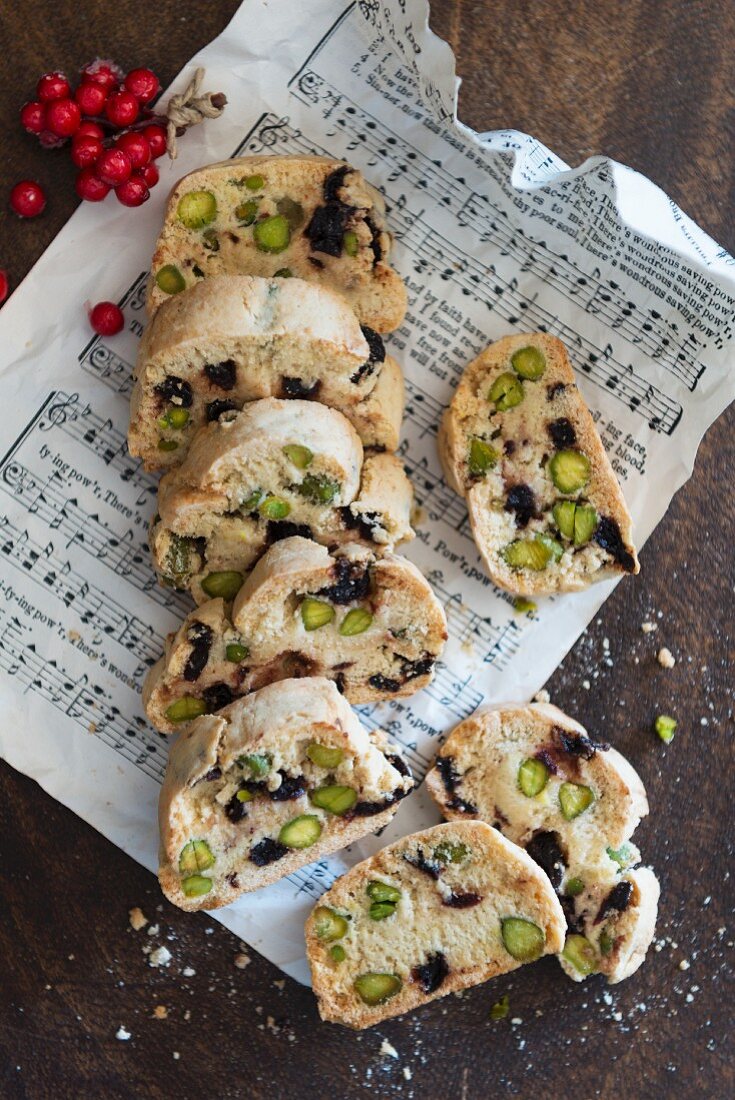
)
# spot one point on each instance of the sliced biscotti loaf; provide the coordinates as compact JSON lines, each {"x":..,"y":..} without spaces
{"x":573,"y":804}
{"x":253,"y":477}
{"x":369,"y":622}
{"x":273,"y":782}
{"x":234,"y":339}
{"x":437,"y":911}
{"x":313,"y":217}
{"x":519,"y":443}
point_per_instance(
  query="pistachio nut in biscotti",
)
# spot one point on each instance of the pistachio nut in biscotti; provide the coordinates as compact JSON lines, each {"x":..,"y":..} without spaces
{"x":274,"y":781}
{"x":436,"y":912}
{"x":369,"y":622}
{"x":573,"y":804}
{"x":235,"y":339}
{"x":519,"y":443}
{"x":254,"y":477}
{"x":311,"y":217}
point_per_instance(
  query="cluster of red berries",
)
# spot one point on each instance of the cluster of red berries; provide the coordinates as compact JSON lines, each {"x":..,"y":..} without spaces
{"x":115,"y":136}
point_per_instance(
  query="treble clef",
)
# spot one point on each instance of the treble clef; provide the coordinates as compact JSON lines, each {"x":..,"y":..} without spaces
{"x":60,"y":411}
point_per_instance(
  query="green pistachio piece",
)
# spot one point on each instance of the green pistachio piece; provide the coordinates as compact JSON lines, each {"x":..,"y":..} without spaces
{"x":300,"y":456}
{"x":574,"y":799}
{"x":501,"y":1008}
{"x":481,"y":457}
{"x":449,"y":852}
{"x":318,"y":488}
{"x":274,"y":508}
{"x":175,"y":417}
{"x":574,"y":887}
{"x":523,"y":939}
{"x":283,"y":273}
{"x":335,"y":799}
{"x":197,"y":209}
{"x":272,"y":234}
{"x":323,"y":756}
{"x":523,"y":606}
{"x":292,"y":211}
{"x":235,"y":652}
{"x":329,"y":925}
{"x":244,"y":795}
{"x":379,"y":910}
{"x":665,"y":727}
{"x":527,"y":554}
{"x":196,"y":885}
{"x":315,"y":613}
{"x":185,"y":709}
{"x":225,"y":584}
{"x":506,"y":392}
{"x":580,"y":953}
{"x":195,"y":856}
{"x":555,"y":548}
{"x":606,"y":942}
{"x":210,"y":240}
{"x":585,"y":524}
{"x":168,"y":445}
{"x":563,"y":513}
{"x":356,"y":621}
{"x":622,"y":855}
{"x":350,"y":243}
{"x":337,"y":953}
{"x":533,"y":775}
{"x":301,"y":831}
{"x":529,"y":363}
{"x":252,"y":502}
{"x":254,"y":183}
{"x":382,"y":891}
{"x":170,"y":280}
{"x":246,"y":212}
{"x":178,"y":559}
{"x":569,"y":470}
{"x":376,"y":989}
{"x":257,"y":762}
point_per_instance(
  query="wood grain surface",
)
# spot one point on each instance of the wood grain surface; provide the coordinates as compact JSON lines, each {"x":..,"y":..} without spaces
{"x":649,"y":83}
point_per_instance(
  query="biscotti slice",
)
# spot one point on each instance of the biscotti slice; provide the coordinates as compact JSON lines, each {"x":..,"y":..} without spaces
{"x":573,"y":804}
{"x":369,"y":622}
{"x":274,"y":469}
{"x":312,"y":217}
{"x":273,"y":782}
{"x":234,"y":339}
{"x":519,"y":443}
{"x":436,"y":912}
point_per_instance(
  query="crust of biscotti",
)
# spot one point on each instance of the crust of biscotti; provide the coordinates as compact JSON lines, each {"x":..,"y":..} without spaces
{"x":488,"y":526}
{"x":637,"y":926}
{"x":379,"y":416}
{"x":501,"y":857}
{"x":377,"y":295}
{"x":280,"y":710}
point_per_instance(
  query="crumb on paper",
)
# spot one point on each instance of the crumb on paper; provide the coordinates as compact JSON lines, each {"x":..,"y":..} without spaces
{"x":160,"y":1012}
{"x":241,"y":960}
{"x":648,"y":627}
{"x":666,"y":658}
{"x":137,"y":919}
{"x":73,"y":635}
{"x":280,"y":984}
{"x":388,"y":1049}
{"x":176,"y":1055}
{"x":92,"y":727}
{"x":407,"y":1073}
{"x":188,"y":972}
{"x":122,"y":1034}
{"x":160,"y":957}
{"x":542,"y":696}
{"x":154,"y":930}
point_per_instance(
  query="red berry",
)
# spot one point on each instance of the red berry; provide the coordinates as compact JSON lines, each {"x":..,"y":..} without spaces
{"x":91,"y":97}
{"x":149,"y":174}
{"x":51,"y":141}
{"x":3,"y":286}
{"x":27,"y":199}
{"x":85,"y":151}
{"x":53,"y":86}
{"x":105,"y":73}
{"x":137,"y":148}
{"x":133,"y":192}
{"x":90,"y":129}
{"x":156,"y":138}
{"x":63,"y":117}
{"x":106,"y":319}
{"x":88,"y":187}
{"x":33,"y":117}
{"x":142,"y":83}
{"x":122,"y":108}
{"x":113,"y":167}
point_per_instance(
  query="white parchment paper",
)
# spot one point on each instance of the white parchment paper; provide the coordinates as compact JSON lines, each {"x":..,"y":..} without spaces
{"x":494,"y":234}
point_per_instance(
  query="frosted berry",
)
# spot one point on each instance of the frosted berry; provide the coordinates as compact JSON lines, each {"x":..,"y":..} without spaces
{"x":85,"y":151}
{"x":33,"y":117}
{"x":106,"y":319}
{"x":53,"y":86}
{"x":134,"y":192}
{"x":149,"y":175}
{"x":90,"y":129}
{"x":91,"y":98}
{"x":113,"y":167}
{"x":27,"y":199}
{"x":143,"y":84}
{"x":90,"y":188}
{"x":105,"y":73}
{"x":122,"y":108}
{"x":63,"y":117}
{"x":3,"y":286}
{"x":137,"y":148}
{"x":156,"y":138}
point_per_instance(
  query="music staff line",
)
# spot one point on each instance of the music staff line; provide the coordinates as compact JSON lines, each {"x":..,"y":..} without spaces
{"x":501,"y":641}
{"x":445,"y":190}
{"x":89,"y":705}
{"x":55,"y":575}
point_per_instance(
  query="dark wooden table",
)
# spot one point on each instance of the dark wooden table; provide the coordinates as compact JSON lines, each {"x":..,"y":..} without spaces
{"x":650,"y":84}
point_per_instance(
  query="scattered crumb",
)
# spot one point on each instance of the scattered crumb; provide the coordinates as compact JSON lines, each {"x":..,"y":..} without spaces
{"x":137,"y":919}
{"x":407,"y":1073}
{"x":666,"y":658}
{"x":160,"y":957}
{"x":92,"y":727}
{"x":542,"y":696}
{"x":241,"y":960}
{"x":73,"y":635}
{"x":586,"y":685}
{"x":648,"y":628}
{"x":388,"y":1049}
{"x":684,"y":964}
{"x":188,"y":972}
{"x":154,"y":930}
{"x":122,"y":1034}
{"x":280,"y":984}
{"x":517,"y":1020}
{"x":160,"y":1012}
{"x":176,"y":1055}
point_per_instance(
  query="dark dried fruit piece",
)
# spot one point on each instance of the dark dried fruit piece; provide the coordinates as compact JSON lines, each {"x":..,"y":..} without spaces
{"x":369,"y":809}
{"x":384,"y":683}
{"x":544,"y":849}
{"x":457,"y":900}
{"x":375,"y":344}
{"x":562,"y":433}
{"x":199,"y":635}
{"x":608,"y":536}
{"x":294,"y":387}
{"x":176,"y":391}
{"x":352,"y":582}
{"x":267,"y":851}
{"x":374,"y":240}
{"x":292,"y":786}
{"x":578,"y":744}
{"x":422,"y":666}
{"x":215,"y":409}
{"x":222,"y":374}
{"x":617,"y":900}
{"x":447,"y":769}
{"x":333,"y":182}
{"x":368,"y":524}
{"x":279,"y":529}
{"x":429,"y":867}
{"x":327,"y":227}
{"x":432,"y":973}
{"x":521,"y":500}
{"x":217,"y":696}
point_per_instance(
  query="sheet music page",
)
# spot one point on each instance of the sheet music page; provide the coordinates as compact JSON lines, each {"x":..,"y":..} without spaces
{"x":493,"y":235}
